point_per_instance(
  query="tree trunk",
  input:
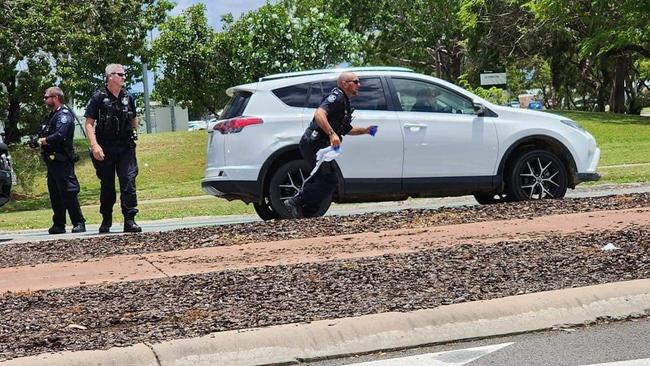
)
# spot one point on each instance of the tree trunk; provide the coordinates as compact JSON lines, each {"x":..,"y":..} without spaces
{"x":11,"y":126}
{"x":605,"y":82}
{"x":617,"y":96}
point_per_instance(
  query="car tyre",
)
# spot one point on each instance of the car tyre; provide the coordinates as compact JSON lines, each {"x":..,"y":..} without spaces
{"x":490,"y":198}
{"x":286,"y":182}
{"x":265,"y":211}
{"x":535,"y":175}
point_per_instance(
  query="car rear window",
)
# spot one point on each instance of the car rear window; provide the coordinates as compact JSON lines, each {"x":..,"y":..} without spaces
{"x":293,"y":95}
{"x":319,"y":91}
{"x":371,"y":94}
{"x":236,"y":105}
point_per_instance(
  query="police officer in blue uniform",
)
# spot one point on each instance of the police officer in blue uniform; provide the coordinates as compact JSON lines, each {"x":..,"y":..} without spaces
{"x":332,"y":120}
{"x":111,"y":126}
{"x":55,"y":138}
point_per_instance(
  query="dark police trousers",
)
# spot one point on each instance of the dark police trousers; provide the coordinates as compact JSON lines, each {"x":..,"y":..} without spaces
{"x":322,"y":185}
{"x":118,"y":159}
{"x":63,"y":187}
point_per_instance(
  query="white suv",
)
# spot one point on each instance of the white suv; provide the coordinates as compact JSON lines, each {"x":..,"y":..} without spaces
{"x":460,"y":144}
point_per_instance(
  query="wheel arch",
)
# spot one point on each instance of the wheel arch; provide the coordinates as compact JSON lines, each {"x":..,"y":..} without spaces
{"x":281,"y":156}
{"x":543,"y":142}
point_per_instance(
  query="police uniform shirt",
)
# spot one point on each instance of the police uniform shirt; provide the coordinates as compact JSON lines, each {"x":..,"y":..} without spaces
{"x":97,"y":100}
{"x":61,"y":129}
{"x":339,"y":112}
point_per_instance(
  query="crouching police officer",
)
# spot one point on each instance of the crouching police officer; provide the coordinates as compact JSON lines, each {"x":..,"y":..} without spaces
{"x":332,"y":120}
{"x":111,"y":126}
{"x":55,"y":138}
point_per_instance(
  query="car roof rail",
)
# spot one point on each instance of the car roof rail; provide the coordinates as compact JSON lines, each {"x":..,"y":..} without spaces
{"x":333,"y":71}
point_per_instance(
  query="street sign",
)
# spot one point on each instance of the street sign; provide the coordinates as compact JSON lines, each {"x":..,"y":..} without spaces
{"x":489,"y":78}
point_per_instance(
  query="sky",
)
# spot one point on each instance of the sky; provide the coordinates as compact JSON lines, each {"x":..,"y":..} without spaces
{"x":217,"y":8}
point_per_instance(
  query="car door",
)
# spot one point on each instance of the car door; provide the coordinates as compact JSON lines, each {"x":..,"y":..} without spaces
{"x":371,"y":163}
{"x":444,"y":141}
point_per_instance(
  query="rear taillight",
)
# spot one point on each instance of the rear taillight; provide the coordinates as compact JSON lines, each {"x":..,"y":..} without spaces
{"x":236,"y":124}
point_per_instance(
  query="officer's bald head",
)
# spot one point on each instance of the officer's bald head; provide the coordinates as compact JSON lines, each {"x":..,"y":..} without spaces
{"x":349,"y":83}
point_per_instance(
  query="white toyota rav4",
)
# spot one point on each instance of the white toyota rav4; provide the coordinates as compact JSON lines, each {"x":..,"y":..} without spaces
{"x":456,"y":145}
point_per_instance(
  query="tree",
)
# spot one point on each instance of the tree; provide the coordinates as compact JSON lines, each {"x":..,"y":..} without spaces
{"x":422,"y":34}
{"x":186,"y":51}
{"x":23,"y":34}
{"x":68,"y":41}
{"x":274,"y":39}
{"x":609,"y":35}
{"x":197,"y":64}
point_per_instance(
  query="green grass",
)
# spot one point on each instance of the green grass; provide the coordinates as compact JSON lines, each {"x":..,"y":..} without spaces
{"x":622,"y":139}
{"x":171,"y":166}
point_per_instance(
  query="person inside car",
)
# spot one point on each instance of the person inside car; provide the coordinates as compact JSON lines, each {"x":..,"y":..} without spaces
{"x":425,"y":101}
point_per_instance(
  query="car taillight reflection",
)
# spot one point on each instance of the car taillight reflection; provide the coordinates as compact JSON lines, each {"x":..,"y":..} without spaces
{"x":236,"y":124}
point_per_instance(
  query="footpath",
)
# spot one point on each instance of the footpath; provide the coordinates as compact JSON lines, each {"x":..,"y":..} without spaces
{"x":294,"y":343}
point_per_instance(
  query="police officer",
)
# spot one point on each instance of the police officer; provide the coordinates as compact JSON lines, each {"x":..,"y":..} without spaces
{"x":111,"y":126}
{"x":332,"y":120}
{"x":55,"y":138}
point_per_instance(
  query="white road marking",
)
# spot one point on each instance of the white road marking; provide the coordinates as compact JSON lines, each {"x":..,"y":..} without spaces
{"x":449,"y":358}
{"x":639,"y":362}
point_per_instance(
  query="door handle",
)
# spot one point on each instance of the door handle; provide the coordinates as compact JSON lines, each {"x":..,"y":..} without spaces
{"x":414,"y":127}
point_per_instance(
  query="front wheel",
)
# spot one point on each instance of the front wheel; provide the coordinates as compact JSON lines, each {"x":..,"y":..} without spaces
{"x":490,"y":198}
{"x":286,"y":182}
{"x":536,"y":175}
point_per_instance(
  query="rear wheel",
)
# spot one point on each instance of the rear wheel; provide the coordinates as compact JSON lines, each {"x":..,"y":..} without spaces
{"x":536,"y":175}
{"x":264,"y":210}
{"x":286,"y":182}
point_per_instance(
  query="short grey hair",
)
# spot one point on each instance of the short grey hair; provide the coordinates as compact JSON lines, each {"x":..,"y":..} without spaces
{"x":112,"y":67}
{"x":56,"y":91}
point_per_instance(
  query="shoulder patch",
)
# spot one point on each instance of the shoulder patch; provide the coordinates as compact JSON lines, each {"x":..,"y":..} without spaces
{"x":331,"y":98}
{"x":63,"y":118}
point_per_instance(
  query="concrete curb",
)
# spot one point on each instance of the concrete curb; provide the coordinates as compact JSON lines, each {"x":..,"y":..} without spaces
{"x":326,"y":338}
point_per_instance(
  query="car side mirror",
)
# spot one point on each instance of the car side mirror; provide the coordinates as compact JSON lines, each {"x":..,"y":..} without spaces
{"x":479,"y":109}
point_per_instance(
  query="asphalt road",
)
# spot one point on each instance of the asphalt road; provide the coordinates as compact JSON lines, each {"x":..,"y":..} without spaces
{"x":625,"y":343}
{"x":342,"y":209}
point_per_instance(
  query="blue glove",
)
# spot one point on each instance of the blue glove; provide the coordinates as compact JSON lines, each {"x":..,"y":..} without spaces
{"x":372,"y":130}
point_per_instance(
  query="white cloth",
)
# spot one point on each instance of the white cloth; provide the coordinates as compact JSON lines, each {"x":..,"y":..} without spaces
{"x":325,"y":154}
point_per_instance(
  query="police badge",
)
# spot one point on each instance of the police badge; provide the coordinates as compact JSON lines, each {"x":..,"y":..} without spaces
{"x":125,"y":100}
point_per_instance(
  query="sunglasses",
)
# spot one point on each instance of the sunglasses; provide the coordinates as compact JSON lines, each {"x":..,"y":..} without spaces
{"x":120,"y":74}
{"x":46,"y":97}
{"x":356,"y":81}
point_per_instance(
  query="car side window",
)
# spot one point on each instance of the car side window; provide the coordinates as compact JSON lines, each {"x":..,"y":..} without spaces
{"x":421,"y":96}
{"x":318,"y":92}
{"x":293,"y":95}
{"x":371,"y":95}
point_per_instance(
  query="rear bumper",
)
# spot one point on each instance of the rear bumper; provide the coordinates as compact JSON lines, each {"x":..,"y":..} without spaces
{"x":588,"y":177}
{"x":245,"y":190}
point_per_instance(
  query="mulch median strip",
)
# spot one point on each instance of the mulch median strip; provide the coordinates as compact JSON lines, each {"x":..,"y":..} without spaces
{"x":180,"y":307}
{"x":21,"y":254}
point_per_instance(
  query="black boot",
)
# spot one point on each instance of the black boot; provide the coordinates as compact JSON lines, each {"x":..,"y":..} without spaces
{"x":131,"y":227}
{"x":55,"y":229}
{"x":105,"y":227}
{"x":79,"y":228}
{"x":294,"y":206}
